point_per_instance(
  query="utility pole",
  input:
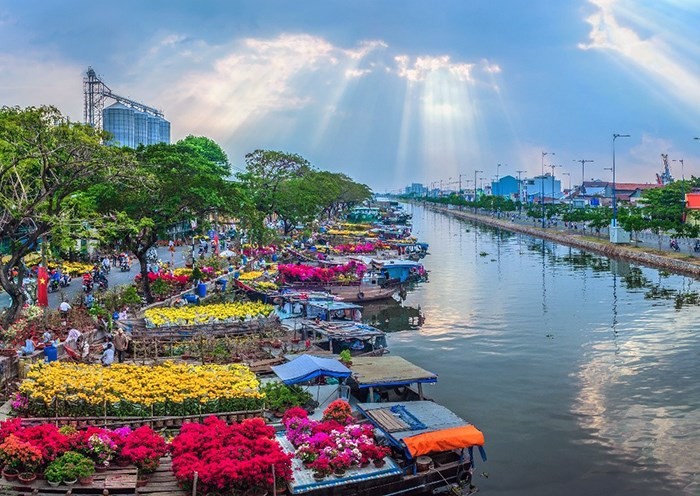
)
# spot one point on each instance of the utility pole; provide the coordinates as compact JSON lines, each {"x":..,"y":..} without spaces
{"x":520,"y":188}
{"x":544,"y":154}
{"x":583,"y":169}
{"x":475,"y":172}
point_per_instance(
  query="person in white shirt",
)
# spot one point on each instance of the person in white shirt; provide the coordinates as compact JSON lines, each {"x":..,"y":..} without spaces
{"x":64,"y":308}
{"x":108,"y":355}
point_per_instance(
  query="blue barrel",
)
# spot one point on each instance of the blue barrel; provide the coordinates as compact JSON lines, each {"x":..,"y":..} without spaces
{"x":223,"y":284}
{"x":201,"y":290}
{"x":51,"y":353}
{"x":236,"y":274}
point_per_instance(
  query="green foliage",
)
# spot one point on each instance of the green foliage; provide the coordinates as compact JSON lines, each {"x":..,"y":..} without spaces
{"x":69,"y":466}
{"x":280,"y":397}
{"x":345,"y":356}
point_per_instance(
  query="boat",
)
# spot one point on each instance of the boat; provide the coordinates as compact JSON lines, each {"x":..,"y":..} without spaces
{"x":432,"y":448}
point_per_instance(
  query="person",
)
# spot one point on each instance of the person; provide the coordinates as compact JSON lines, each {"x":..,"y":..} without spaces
{"x":89,"y":300}
{"x":29,"y":347}
{"x":64,"y":308}
{"x":124,"y":314}
{"x":83,"y":347}
{"x":107,"y":355}
{"x":106,"y":264}
{"x":121,"y":343}
{"x":47,"y":337}
{"x":72,"y":338}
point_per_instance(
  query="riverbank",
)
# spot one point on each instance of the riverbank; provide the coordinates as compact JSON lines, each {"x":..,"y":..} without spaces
{"x":678,"y":263}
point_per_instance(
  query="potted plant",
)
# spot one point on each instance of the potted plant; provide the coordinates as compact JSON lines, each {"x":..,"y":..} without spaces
{"x":144,"y":448}
{"x":101,"y":448}
{"x":19,"y":457}
{"x":54,"y":474}
{"x":338,"y":410}
{"x":321,"y":468}
{"x":345,"y":358}
{"x":70,"y":467}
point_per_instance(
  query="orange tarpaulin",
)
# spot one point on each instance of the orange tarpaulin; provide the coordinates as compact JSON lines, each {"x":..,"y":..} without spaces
{"x":447,"y":439}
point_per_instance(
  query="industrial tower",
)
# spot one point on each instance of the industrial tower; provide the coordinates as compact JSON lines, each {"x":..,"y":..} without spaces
{"x":96,"y":91}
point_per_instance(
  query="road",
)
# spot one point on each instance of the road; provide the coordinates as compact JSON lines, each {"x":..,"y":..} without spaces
{"x":115,"y":277}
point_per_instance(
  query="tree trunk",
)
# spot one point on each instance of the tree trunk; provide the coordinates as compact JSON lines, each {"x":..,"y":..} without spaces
{"x":145,"y":282}
{"x":15,"y":291}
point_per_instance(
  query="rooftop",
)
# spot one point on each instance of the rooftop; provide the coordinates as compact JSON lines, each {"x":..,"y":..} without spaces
{"x":388,"y":371}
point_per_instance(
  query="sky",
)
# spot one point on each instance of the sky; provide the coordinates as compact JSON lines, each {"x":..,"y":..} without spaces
{"x":389,"y":92}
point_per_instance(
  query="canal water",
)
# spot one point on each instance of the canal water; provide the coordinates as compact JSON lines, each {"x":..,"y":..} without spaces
{"x":581,"y":371}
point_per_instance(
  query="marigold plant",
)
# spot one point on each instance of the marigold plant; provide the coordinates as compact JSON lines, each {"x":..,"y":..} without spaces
{"x":205,"y":314}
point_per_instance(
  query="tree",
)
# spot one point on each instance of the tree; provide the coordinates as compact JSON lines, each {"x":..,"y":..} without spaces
{"x":265,"y":172}
{"x":171,"y":184}
{"x":45,"y":161}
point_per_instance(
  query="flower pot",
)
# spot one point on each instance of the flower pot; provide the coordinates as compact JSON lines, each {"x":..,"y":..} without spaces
{"x":99,"y":467}
{"x":86,"y":481}
{"x":379,"y":463}
{"x":158,"y":424}
{"x":169,"y":423}
{"x":26,"y":478}
{"x":318,"y":477}
{"x":54,"y":483}
{"x":339,"y":474}
{"x":70,"y":482}
{"x":122,"y":462}
{"x":10,"y":474}
{"x":141,"y":481}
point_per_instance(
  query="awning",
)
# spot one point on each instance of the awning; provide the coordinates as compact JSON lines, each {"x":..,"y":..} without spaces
{"x":307,"y":367}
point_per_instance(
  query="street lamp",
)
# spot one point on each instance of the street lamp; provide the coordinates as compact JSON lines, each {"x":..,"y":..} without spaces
{"x":614,"y":195}
{"x":498,"y":184}
{"x":520,"y":189}
{"x":542,"y":185}
{"x":583,"y":170}
{"x":475,"y":173}
{"x":682,"y":180}
{"x":553,"y":166}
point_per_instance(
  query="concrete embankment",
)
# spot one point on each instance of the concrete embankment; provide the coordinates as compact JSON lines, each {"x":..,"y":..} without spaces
{"x":688,"y":267}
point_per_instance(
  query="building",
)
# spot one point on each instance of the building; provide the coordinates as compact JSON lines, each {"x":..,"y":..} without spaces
{"x":537,"y":187}
{"x":416,"y":189}
{"x":599,"y":193}
{"x":131,"y":127}
{"x":506,"y":186}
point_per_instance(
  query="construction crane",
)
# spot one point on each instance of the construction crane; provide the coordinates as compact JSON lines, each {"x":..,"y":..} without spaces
{"x":665,"y":177}
{"x":96,"y":91}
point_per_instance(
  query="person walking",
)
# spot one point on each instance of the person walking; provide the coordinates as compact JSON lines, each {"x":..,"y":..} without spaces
{"x":121,"y":343}
{"x":64,"y":308}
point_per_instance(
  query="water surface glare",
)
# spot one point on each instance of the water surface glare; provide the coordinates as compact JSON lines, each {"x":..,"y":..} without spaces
{"x":582,"y":371}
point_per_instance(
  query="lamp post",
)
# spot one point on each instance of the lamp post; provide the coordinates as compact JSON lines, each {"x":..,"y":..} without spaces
{"x":475,"y":173}
{"x":614,"y":195}
{"x":583,"y":170}
{"x":520,"y":189}
{"x":568,"y":174}
{"x":682,"y":180}
{"x":542,"y":185}
{"x":553,"y":167}
{"x":498,"y":184}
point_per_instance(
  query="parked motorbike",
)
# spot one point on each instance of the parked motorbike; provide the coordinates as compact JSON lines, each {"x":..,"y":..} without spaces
{"x":674,"y":245}
{"x":54,"y":286}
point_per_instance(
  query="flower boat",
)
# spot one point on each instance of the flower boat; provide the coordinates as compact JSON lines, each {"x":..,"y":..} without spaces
{"x":412,"y":447}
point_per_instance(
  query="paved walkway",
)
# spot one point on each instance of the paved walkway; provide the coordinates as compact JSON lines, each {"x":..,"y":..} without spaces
{"x":115,"y":277}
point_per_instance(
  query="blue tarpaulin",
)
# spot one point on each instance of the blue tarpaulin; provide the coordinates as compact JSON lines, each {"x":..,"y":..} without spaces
{"x":307,"y":367}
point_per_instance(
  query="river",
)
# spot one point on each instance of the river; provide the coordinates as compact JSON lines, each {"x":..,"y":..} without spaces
{"x":581,"y":371}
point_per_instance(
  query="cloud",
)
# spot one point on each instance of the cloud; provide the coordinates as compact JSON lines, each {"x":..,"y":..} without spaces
{"x":424,"y":66}
{"x":671,"y":70}
{"x":33,"y":80}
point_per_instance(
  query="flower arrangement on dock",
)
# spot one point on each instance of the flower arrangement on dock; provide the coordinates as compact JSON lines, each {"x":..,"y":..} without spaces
{"x":229,"y":459}
{"x":206,"y":314}
{"x":73,"y":390}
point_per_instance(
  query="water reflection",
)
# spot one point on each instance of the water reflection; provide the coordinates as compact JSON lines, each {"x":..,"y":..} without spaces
{"x":581,"y":370}
{"x":392,"y":316}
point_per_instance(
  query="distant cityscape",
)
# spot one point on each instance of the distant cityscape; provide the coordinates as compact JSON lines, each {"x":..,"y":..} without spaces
{"x":541,"y":188}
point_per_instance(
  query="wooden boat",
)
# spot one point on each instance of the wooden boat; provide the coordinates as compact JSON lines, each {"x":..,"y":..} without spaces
{"x":354,"y":292}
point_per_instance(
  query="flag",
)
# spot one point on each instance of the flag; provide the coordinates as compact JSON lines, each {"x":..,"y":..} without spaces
{"x":216,"y":243}
{"x":42,"y":288}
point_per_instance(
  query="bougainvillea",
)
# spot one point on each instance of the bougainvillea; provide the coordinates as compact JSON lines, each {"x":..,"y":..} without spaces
{"x":300,"y":272}
{"x":144,"y":448}
{"x":229,"y":458}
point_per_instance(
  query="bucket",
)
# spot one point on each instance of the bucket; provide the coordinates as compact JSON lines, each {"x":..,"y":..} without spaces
{"x":51,"y":353}
{"x":201,"y":290}
{"x":423,"y":463}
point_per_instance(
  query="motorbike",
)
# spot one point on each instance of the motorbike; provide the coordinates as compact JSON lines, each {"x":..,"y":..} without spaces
{"x":102,"y":283}
{"x":54,"y":286}
{"x":696,"y":246}
{"x":125,"y":267}
{"x":674,"y":245}
{"x":87,"y":286}
{"x":65,"y":281}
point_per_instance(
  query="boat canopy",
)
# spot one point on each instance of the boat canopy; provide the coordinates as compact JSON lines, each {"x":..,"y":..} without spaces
{"x":306,"y":367}
{"x":422,"y":427}
{"x":388,"y":371}
{"x":342,"y":330}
